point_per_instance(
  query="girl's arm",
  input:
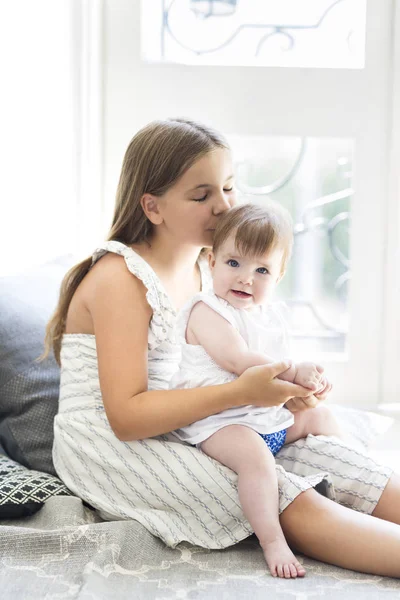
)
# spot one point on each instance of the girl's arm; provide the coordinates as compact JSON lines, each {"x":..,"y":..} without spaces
{"x":224,"y":343}
{"x":116,"y":301}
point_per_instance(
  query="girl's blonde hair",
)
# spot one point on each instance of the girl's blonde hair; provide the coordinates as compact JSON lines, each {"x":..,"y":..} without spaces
{"x":157,"y":156}
{"x":257,"y":229}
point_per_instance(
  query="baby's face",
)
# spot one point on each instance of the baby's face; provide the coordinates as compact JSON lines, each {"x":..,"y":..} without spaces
{"x":245,"y":281}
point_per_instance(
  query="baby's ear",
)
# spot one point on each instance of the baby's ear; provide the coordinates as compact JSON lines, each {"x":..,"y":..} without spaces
{"x":151,"y":209}
{"x":211,"y":259}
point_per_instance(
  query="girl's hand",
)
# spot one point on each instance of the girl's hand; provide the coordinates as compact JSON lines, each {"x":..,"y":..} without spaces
{"x":259,"y":386}
{"x":298,"y":404}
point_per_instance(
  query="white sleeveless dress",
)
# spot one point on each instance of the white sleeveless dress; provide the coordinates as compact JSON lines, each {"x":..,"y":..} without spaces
{"x":263,"y":330}
{"x":176,"y":491}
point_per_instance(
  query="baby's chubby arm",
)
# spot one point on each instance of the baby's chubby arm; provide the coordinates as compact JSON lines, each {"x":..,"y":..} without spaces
{"x":223,"y":342}
{"x":229,"y":350}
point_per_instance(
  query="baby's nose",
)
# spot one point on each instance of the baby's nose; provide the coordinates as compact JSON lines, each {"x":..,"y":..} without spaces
{"x":246,"y":278}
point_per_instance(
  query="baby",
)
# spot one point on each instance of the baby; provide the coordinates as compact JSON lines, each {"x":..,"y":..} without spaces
{"x":225,"y":332}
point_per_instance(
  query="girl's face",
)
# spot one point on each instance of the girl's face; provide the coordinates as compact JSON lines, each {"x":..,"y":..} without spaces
{"x":245,"y":281}
{"x":191,"y":208}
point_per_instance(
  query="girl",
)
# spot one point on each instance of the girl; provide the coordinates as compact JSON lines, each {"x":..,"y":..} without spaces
{"x":225,"y":332}
{"x":114,"y":332}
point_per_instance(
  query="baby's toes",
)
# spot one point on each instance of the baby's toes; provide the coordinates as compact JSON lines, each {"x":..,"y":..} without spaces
{"x":286,"y":570}
{"x":299,"y":569}
{"x":293,"y":571}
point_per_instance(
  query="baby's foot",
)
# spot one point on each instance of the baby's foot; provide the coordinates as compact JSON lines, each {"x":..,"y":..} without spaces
{"x":281,"y":560}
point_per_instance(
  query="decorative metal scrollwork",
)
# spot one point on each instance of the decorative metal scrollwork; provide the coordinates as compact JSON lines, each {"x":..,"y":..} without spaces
{"x":279,"y":183}
{"x":311,"y":222}
{"x":208,"y":9}
{"x":213,"y":8}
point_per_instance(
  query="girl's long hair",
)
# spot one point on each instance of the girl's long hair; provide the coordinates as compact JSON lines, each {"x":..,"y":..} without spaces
{"x":157,"y":156}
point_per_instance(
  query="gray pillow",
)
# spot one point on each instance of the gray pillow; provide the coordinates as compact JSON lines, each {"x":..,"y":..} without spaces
{"x":29,"y":390}
{"x":23,"y":492}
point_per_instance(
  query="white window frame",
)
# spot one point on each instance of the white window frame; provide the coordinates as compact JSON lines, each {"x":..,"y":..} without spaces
{"x":88,"y":16}
{"x":390,"y":386}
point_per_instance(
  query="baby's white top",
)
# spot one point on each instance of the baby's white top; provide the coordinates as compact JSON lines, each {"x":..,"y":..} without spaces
{"x":263,"y":329}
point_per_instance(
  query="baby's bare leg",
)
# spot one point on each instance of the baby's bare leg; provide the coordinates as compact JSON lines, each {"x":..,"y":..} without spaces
{"x":318,"y":421}
{"x":245,"y":452}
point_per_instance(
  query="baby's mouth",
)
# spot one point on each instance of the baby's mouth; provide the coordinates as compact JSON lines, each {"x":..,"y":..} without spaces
{"x":241,"y":294}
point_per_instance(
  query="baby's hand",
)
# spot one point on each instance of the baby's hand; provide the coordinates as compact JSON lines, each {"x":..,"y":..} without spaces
{"x":326,"y":387}
{"x":310,"y":376}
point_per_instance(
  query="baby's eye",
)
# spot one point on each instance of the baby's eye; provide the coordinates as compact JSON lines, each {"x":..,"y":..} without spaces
{"x":228,"y":189}
{"x":262,"y":270}
{"x":233,"y":263}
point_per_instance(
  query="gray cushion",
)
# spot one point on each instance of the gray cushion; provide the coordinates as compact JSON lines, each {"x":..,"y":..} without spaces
{"x":23,"y":492}
{"x":29,"y":390}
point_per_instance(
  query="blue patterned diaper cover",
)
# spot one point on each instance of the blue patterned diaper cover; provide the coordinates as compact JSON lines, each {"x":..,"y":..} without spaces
{"x":275,"y":440}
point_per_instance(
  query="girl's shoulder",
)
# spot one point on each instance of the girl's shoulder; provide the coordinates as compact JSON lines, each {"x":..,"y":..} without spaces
{"x":133,"y":263}
{"x":120,"y":263}
{"x":111,"y":253}
{"x":109,"y":279}
{"x":95,"y":286}
{"x":111,"y":271}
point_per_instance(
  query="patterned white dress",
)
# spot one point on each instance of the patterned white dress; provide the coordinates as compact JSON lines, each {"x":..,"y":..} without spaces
{"x":176,"y":491}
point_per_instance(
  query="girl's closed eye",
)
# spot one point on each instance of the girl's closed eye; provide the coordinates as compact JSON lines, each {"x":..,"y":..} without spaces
{"x":200,"y":199}
{"x":203,"y":198}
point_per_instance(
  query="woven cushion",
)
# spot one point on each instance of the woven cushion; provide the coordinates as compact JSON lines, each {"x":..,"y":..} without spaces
{"x":23,"y":492}
{"x":29,"y":390}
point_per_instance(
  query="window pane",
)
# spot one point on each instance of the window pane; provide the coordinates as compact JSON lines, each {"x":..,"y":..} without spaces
{"x":288,"y":33}
{"x":312,"y":178}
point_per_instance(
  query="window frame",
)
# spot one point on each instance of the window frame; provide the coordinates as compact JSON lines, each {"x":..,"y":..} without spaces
{"x":390,"y":387}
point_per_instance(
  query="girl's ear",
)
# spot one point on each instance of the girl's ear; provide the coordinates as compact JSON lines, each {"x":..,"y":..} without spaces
{"x":151,"y":209}
{"x":211,"y":260}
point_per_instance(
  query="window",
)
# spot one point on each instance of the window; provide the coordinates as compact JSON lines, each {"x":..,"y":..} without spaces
{"x":288,"y":33}
{"x":312,"y":178}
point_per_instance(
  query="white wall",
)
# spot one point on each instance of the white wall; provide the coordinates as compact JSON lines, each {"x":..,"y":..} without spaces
{"x":38,"y":154}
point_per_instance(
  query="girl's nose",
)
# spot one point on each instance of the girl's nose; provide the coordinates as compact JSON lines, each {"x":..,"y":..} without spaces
{"x":223,"y":203}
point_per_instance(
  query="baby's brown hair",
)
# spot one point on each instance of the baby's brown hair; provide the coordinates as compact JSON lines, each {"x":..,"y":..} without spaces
{"x":257,"y":229}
